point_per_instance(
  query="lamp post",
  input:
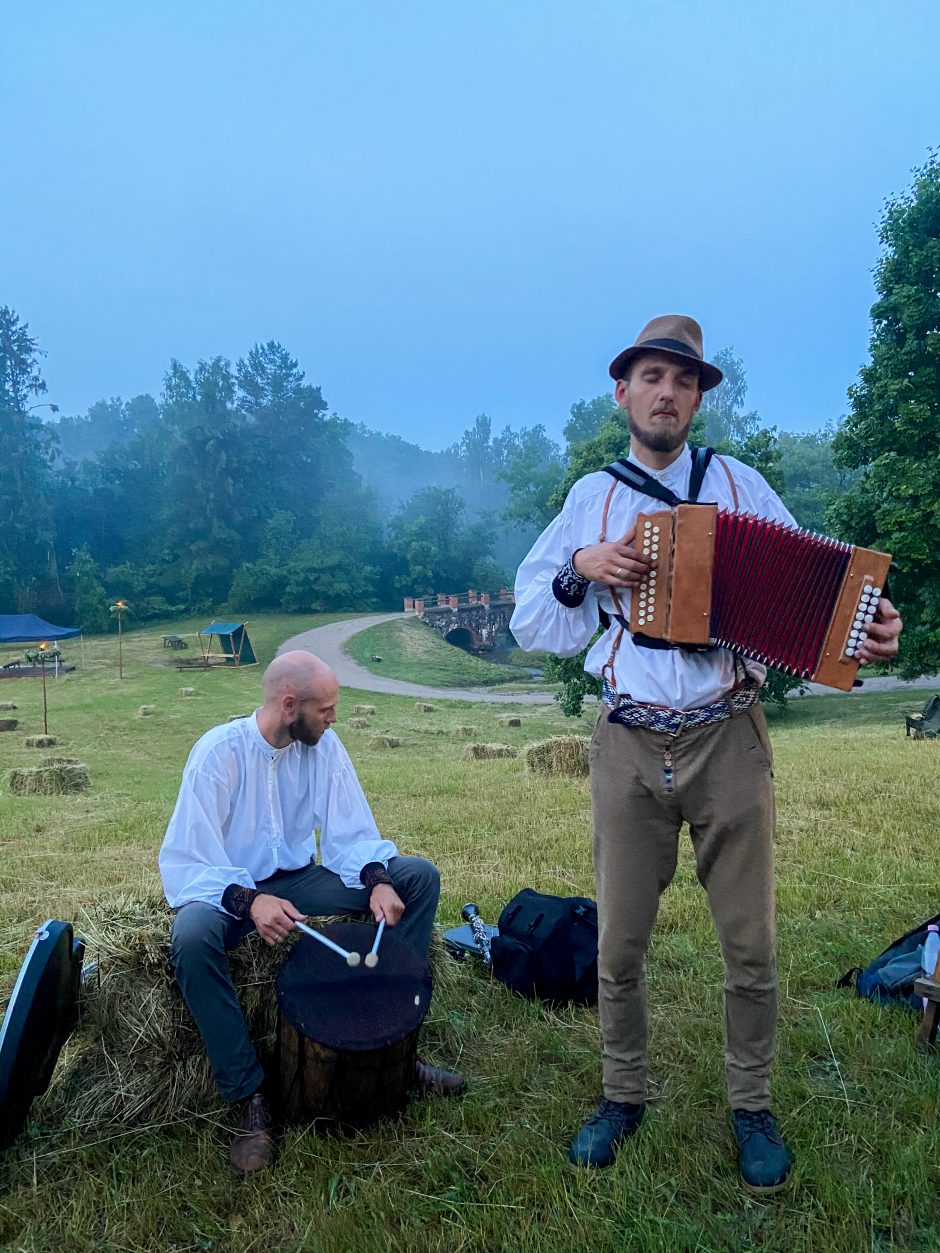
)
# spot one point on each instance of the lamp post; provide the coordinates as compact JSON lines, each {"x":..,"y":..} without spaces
{"x":119,"y":609}
{"x":42,"y":667}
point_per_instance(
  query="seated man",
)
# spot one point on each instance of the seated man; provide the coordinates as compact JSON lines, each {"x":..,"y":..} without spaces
{"x":239,"y":855}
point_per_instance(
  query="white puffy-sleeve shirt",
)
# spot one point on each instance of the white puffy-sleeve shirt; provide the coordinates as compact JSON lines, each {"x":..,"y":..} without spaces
{"x":246,"y":810}
{"x":673,"y":677}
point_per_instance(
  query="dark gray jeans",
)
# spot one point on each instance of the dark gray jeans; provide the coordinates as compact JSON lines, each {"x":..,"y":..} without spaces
{"x":202,"y":936}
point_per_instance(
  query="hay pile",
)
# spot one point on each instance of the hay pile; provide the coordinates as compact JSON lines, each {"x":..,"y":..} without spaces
{"x":7,"y":704}
{"x":422,"y":708}
{"x":359,"y":724}
{"x":8,"y":724}
{"x":40,"y":741}
{"x":56,"y":777}
{"x":364,"y":709}
{"x":466,"y":733}
{"x":510,"y":721}
{"x":385,"y":741}
{"x":146,"y":711}
{"x":137,"y":1056}
{"x":482,"y":752}
{"x":565,"y":755}
{"x":187,"y":691}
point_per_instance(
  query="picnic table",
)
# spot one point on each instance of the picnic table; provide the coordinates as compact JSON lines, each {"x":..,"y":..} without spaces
{"x":13,"y":663}
{"x":174,"y":641}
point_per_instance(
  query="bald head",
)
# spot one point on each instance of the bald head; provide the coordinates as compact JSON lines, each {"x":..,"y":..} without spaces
{"x":300,"y":694}
{"x":296,"y":674}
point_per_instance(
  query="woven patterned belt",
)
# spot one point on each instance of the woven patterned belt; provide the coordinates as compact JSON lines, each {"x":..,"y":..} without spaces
{"x":631,"y":713}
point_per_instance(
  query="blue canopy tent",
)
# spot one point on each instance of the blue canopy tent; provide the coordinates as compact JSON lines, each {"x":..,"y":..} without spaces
{"x":26,"y":628}
{"x":234,"y":642}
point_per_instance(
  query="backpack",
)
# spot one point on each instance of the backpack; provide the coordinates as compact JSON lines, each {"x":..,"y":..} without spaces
{"x":889,"y":979}
{"x":547,"y":947}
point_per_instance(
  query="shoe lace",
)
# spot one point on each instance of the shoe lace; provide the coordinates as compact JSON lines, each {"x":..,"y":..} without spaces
{"x":758,"y":1122}
{"x":257,"y":1117}
{"x":612,"y":1109}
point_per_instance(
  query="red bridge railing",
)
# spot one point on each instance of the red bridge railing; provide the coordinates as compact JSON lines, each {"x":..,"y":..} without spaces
{"x":450,"y":600}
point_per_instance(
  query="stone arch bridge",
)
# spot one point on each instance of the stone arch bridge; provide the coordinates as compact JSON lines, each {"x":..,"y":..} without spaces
{"x":470,"y":620}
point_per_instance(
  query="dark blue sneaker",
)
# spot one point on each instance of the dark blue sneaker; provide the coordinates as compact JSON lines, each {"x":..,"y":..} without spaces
{"x":763,"y":1159}
{"x":597,"y":1142}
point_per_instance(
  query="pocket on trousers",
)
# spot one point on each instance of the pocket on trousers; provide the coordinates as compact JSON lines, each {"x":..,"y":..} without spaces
{"x":760,"y":740}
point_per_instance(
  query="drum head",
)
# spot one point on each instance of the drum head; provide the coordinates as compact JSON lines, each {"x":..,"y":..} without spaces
{"x":355,"y":1007}
{"x":39,"y":1019}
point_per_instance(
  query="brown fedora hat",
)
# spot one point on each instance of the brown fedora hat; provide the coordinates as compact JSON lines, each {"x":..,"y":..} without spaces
{"x":673,"y":334}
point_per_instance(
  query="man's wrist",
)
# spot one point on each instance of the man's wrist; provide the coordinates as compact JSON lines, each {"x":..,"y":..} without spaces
{"x":568,"y":587}
{"x":238,"y":900}
{"x":374,"y":873}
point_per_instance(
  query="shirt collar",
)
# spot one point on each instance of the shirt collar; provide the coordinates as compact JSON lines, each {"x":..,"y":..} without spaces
{"x":676,"y":472}
{"x":254,"y":734}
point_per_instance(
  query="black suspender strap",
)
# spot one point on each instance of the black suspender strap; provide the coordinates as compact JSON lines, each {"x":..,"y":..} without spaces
{"x":632,"y":475}
{"x":700,"y":459}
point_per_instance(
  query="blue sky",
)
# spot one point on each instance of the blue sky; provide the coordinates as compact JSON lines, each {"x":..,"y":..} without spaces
{"x":450,"y":208}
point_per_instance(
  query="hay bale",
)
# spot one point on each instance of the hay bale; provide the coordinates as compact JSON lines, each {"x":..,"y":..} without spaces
{"x":57,"y":779}
{"x":7,"y":704}
{"x":422,"y":708}
{"x":482,"y":752}
{"x":359,"y":724}
{"x":561,"y":755}
{"x":385,"y":741}
{"x":364,"y":709}
{"x":60,"y":761}
{"x":137,"y":1056}
{"x":187,"y":691}
{"x":466,"y":733}
{"x":40,"y":741}
{"x":8,"y":724}
{"x":146,"y":711}
{"x":510,"y":721}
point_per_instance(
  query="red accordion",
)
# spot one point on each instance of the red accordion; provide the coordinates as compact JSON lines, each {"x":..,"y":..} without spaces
{"x":785,"y":597}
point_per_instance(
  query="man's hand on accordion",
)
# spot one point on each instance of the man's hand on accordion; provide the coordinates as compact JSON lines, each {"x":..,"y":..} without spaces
{"x":883,"y":632}
{"x":616,"y":563}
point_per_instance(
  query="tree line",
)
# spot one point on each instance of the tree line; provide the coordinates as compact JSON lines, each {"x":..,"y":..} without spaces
{"x":237,"y":489}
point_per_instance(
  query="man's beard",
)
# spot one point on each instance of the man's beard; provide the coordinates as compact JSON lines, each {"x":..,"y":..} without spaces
{"x":299,"y":730}
{"x":664,"y":440}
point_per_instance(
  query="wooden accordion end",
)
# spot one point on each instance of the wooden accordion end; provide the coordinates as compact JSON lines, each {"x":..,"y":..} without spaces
{"x":785,"y":597}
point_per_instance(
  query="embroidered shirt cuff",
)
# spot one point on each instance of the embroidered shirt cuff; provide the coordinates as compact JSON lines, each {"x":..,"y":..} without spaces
{"x":238,"y":900}
{"x":568,"y":587}
{"x":373,"y":874}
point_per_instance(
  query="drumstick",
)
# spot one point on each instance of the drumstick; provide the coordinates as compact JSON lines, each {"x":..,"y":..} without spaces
{"x":372,"y":957}
{"x":470,"y":913}
{"x":352,"y":959}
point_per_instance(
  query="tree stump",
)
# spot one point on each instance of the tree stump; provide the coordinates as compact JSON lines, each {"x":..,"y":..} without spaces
{"x":348,"y":1036}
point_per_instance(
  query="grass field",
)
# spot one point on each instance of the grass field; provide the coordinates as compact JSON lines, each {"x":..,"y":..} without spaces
{"x":856,"y":859}
{"x":413,"y":652}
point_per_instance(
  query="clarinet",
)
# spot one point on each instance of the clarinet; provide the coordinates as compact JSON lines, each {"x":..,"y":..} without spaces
{"x":471,"y":914}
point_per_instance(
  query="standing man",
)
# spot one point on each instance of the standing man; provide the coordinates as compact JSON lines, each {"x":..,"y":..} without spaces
{"x":239,"y":855}
{"x":681,"y":737}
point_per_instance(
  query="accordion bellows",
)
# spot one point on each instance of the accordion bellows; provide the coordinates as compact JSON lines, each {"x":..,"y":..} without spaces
{"x":783,"y":596}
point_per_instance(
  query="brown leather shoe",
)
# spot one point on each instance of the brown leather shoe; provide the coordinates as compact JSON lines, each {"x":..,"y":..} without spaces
{"x":437,"y":1082}
{"x":253,"y":1147}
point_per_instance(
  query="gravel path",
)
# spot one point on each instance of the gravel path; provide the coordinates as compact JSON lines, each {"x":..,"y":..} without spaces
{"x":327,"y":642}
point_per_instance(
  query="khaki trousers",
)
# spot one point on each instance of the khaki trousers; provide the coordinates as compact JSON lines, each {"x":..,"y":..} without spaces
{"x":722,"y":785}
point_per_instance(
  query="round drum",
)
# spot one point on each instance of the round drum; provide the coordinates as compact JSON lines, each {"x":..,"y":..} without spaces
{"x":348,"y":1036}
